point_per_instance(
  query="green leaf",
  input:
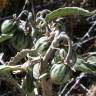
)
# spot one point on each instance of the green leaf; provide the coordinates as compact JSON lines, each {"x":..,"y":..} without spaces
{"x":5,"y":37}
{"x":66,"y":11}
{"x":92,"y":60}
{"x":83,"y":66}
{"x":28,"y":84}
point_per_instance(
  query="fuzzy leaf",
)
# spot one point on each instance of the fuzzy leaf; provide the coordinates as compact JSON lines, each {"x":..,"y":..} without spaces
{"x":66,"y":11}
{"x":6,"y":68}
{"x":92,"y":60}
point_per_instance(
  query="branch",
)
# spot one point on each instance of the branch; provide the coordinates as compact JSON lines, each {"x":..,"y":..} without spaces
{"x":20,"y":55}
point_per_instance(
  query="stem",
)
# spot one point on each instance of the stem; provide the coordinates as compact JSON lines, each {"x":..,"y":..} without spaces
{"x":45,"y":87}
{"x":6,"y":68}
{"x":69,"y":49}
{"x":80,"y":43}
{"x":65,"y":87}
{"x":33,"y":12}
{"x":26,"y":3}
{"x":20,"y":15}
{"x":20,"y":55}
{"x":89,"y":31}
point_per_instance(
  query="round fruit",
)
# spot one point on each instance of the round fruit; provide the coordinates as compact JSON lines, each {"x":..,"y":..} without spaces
{"x":42,"y":45}
{"x":8,"y":27}
{"x":59,"y":55}
{"x":60,"y":74}
{"x":20,"y":40}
